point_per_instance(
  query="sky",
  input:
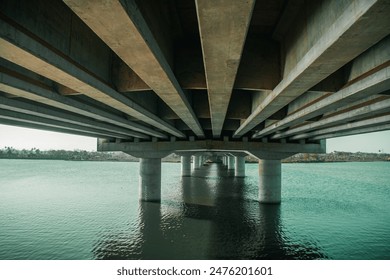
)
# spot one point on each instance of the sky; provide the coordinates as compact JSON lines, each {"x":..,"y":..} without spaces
{"x":25,"y":138}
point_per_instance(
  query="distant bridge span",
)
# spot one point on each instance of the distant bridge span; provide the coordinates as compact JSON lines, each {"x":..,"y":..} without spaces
{"x":270,"y":77}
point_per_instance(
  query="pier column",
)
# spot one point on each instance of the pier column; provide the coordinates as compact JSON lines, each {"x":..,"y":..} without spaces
{"x":270,"y":181}
{"x":240,"y":166}
{"x":230,"y":162}
{"x":150,"y":179}
{"x":186,"y":165}
{"x":196,"y":160}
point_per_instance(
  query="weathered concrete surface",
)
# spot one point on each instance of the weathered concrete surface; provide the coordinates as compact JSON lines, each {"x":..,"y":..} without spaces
{"x":32,"y":110}
{"x":130,"y":71}
{"x":258,"y":148}
{"x":337,"y":39}
{"x":345,"y":127}
{"x":185,"y":165}
{"x":23,"y":50}
{"x":131,"y":39}
{"x":239,"y":168}
{"x":371,"y":110}
{"x":150,"y":179}
{"x":375,"y":128}
{"x":222,"y":38}
{"x":230,"y":162}
{"x":270,"y":181}
{"x":371,"y":85}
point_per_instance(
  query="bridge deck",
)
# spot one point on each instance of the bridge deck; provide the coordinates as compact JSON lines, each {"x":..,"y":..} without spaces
{"x":135,"y":71}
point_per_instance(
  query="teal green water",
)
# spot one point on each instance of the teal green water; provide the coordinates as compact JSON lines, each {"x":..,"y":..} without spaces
{"x":90,"y":210}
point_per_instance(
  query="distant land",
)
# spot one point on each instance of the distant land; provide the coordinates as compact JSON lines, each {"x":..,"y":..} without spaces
{"x":80,"y":155}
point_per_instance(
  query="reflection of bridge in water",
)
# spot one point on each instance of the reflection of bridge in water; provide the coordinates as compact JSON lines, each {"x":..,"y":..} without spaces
{"x":269,"y":78}
{"x":209,"y":219}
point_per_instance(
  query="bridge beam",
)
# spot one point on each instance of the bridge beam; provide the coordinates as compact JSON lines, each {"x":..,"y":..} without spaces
{"x":21,"y":88}
{"x":23,"y":50}
{"x":131,"y":39}
{"x":33,"y":110}
{"x":31,"y":119}
{"x":356,"y":131}
{"x":316,"y":51}
{"x":377,"y":108}
{"x":344,"y":127}
{"x":222,"y":39}
{"x":368,"y":86}
{"x":23,"y":123}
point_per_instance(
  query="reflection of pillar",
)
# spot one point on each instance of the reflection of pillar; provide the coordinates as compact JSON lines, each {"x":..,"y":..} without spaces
{"x":186,"y":165}
{"x":230,"y":162}
{"x":151,"y":233}
{"x":270,"y":181}
{"x":150,"y":179}
{"x":240,"y":166}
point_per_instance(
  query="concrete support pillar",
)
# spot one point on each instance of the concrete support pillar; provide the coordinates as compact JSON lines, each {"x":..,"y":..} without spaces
{"x":240,"y":166}
{"x":150,"y":179}
{"x":270,"y":181}
{"x":195,"y":163}
{"x":186,"y":165}
{"x":230,"y":162}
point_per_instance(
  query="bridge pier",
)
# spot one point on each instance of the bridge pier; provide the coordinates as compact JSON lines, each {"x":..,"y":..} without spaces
{"x":185,"y":165}
{"x":269,"y":155}
{"x":230,"y":160}
{"x":270,"y":180}
{"x":195,"y":162}
{"x":150,"y":179}
{"x":240,"y":166}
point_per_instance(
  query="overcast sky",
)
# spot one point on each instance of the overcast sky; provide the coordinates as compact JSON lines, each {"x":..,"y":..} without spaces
{"x":24,"y":138}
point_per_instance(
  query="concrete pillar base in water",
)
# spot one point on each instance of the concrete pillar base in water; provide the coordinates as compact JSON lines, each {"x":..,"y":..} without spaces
{"x":150,"y":179}
{"x":240,"y":166}
{"x":270,"y":181}
{"x":230,"y":162}
{"x":185,"y":166}
{"x":196,"y":163}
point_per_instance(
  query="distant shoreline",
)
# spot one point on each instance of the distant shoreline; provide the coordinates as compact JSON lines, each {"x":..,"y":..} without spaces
{"x":79,"y":155}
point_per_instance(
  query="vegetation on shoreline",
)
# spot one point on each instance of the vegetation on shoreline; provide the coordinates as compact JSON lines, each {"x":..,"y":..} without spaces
{"x":80,"y":155}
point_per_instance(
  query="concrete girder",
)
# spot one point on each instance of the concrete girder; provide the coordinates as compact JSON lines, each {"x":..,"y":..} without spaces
{"x":66,"y":117}
{"x":345,"y":127}
{"x":131,"y":39}
{"x":382,"y":106}
{"x":222,"y":38}
{"x":49,"y":128}
{"x":357,"y":131}
{"x":16,"y":116}
{"x":318,"y":62}
{"x":370,"y":85}
{"x":258,"y":149}
{"x":29,"y":53}
{"x":21,"y":88}
{"x":258,"y":70}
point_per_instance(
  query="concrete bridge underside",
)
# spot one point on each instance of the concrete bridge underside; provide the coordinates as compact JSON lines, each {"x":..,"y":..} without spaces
{"x":225,"y":78}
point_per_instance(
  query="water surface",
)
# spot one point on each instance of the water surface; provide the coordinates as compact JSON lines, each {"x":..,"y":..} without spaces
{"x":90,"y":210}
